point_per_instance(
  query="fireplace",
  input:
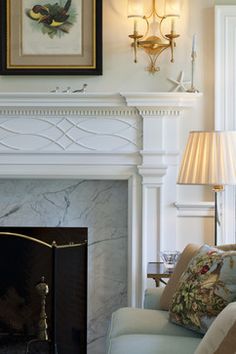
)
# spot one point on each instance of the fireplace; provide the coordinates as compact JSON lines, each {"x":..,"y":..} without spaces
{"x":127,"y":138}
{"x":43,"y":296}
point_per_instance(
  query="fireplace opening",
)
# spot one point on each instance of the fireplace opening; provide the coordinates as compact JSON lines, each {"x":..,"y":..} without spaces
{"x":43,"y":290}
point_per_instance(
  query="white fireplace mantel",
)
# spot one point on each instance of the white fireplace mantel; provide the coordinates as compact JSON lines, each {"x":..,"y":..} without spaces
{"x":131,"y":136}
{"x":97,"y":99}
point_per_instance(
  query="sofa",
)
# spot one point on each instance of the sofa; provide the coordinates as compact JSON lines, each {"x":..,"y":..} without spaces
{"x":149,"y":331}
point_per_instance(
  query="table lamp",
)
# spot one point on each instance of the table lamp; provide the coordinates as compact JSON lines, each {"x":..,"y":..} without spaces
{"x":210,"y":159}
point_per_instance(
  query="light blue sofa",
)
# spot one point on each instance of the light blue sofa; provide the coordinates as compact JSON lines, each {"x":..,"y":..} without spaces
{"x":148,"y":331}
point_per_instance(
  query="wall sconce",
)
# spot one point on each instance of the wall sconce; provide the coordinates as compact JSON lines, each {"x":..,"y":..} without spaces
{"x":151,"y":43}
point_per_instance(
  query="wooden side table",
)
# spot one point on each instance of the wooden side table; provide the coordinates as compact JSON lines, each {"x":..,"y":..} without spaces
{"x":158,"y":272}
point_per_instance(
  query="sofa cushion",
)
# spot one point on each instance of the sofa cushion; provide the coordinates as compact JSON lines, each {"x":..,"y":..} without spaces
{"x":221,"y":338}
{"x":152,"y":344}
{"x":138,"y":321}
{"x":152,"y":298}
{"x":184,"y":259}
{"x":205,"y":288}
{"x":229,"y":247}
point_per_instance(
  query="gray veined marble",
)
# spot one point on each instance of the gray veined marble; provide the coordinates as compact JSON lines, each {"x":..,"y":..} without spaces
{"x":99,"y":205}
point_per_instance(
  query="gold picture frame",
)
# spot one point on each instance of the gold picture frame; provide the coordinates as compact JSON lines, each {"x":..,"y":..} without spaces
{"x":51,"y":37}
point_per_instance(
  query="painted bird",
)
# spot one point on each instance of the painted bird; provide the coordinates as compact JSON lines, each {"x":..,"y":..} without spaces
{"x":51,"y":15}
{"x":38,"y":12}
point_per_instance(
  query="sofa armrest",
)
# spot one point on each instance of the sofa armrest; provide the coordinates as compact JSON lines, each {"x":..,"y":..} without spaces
{"x":220,"y":337}
{"x":152,"y":298}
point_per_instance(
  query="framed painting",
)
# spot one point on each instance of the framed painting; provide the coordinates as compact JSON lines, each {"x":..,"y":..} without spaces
{"x":51,"y":37}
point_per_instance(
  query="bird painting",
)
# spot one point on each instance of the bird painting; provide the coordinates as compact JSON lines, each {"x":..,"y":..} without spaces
{"x":53,"y":18}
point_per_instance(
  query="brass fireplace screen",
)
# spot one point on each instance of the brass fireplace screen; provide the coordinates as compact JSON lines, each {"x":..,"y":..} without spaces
{"x":43,"y":291}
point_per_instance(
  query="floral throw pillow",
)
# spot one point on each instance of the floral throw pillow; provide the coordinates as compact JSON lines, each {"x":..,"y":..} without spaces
{"x":205,"y":288}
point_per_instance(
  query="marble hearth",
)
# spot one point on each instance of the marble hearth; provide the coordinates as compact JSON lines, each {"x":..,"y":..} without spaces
{"x":108,"y":154}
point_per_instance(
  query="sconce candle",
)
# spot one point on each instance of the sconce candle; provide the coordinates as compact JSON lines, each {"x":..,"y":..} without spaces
{"x":194,"y":46}
{"x":172,"y":25}
{"x":135,"y":26}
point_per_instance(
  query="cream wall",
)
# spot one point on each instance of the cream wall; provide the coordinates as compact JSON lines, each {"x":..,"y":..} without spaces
{"x":119,"y":71}
{"x":120,"y":74}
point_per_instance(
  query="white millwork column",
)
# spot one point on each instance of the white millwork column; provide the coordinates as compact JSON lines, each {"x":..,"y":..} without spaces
{"x":160,"y":113}
{"x":158,"y":171}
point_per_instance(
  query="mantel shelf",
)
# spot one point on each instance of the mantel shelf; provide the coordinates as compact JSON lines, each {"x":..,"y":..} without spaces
{"x":161,"y":99}
{"x":99,"y":99}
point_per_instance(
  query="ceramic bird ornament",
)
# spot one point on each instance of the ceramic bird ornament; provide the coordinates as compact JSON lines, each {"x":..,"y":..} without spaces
{"x":52,"y":16}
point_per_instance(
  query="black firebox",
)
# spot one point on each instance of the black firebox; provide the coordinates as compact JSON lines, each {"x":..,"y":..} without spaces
{"x":43,"y":290}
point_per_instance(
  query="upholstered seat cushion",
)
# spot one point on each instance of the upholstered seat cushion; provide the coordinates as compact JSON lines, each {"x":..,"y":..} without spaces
{"x":153,"y":344}
{"x":138,"y":321}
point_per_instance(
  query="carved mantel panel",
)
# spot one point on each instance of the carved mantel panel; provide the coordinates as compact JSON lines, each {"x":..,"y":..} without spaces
{"x":70,"y":132}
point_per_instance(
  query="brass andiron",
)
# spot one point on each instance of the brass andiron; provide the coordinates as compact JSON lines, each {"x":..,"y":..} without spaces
{"x":42,"y":336}
{"x":43,"y":290}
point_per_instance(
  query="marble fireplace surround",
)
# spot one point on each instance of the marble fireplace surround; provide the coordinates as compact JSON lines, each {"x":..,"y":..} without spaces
{"x":121,"y":136}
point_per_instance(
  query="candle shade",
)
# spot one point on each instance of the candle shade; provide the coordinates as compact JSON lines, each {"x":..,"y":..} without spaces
{"x":135,"y":8}
{"x":209,"y":158}
{"x":172,"y":8}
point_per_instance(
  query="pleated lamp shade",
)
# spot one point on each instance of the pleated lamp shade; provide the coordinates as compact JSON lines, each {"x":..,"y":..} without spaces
{"x":209,"y":158}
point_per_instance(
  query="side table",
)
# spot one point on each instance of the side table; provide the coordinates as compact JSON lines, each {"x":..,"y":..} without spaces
{"x":158,"y":272}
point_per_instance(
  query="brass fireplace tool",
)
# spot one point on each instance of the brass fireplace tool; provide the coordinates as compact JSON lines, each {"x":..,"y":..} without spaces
{"x":43,"y":290}
{"x":42,"y":336}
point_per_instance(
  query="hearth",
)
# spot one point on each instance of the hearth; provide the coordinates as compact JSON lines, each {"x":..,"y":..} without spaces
{"x":43,"y":293}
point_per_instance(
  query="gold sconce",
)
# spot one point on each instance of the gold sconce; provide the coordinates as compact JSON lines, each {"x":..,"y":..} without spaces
{"x":156,"y":42}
